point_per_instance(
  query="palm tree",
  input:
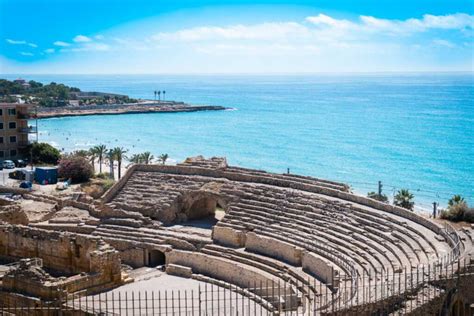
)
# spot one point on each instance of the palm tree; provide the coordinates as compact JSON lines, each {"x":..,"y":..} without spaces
{"x":101,"y":152}
{"x":119,"y":155}
{"x":81,"y":153}
{"x":93,"y":156}
{"x":456,"y":200}
{"x":163,"y":158}
{"x":146,"y":157}
{"x":136,"y":158}
{"x":159,"y":93}
{"x":110,"y":156}
{"x":155,"y":94}
{"x":404,"y":199}
{"x":164,"y":92}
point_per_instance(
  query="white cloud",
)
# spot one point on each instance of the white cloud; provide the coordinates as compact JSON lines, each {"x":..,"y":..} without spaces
{"x":81,"y":39}
{"x":14,"y":42}
{"x":443,"y":43}
{"x":99,"y":37}
{"x":87,"y":47}
{"x":26,"y":54}
{"x":49,"y":50}
{"x":61,"y":44}
{"x":264,"y":31}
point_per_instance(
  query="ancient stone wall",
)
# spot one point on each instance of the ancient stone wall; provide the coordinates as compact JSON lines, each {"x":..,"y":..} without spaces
{"x":273,"y":248}
{"x":228,"y":236}
{"x":218,"y":268}
{"x":270,"y":180}
{"x":319,"y":267}
{"x":62,"y":252}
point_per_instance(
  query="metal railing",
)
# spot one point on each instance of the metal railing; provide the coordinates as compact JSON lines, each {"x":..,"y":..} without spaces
{"x":380,"y":293}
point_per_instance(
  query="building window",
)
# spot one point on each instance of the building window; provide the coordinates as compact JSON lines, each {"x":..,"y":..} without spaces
{"x":12,"y":139}
{"x":1,"y":125}
{"x":12,"y":125}
{"x":2,"y":154}
{"x":13,"y":153}
{"x":1,"y":139}
{"x":1,"y":112}
{"x":11,"y":111}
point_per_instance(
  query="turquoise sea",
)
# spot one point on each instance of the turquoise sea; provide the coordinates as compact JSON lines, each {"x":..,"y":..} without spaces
{"x":411,"y":131}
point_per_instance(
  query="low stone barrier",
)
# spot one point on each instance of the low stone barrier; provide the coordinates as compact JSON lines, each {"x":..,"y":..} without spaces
{"x":227,"y":236}
{"x":320,"y":268}
{"x":219,"y":268}
{"x":181,"y":271}
{"x":274,"y":248}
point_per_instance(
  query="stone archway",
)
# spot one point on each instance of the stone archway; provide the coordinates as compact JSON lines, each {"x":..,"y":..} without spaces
{"x":201,"y":208}
{"x":155,"y":258}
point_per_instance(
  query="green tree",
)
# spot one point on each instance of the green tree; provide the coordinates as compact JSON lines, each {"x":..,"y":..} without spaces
{"x":119,"y":156}
{"x":404,"y":199}
{"x":455,"y":200}
{"x":76,"y":168}
{"x":136,"y":158}
{"x":146,"y":157}
{"x":110,"y":156}
{"x":93,"y":154}
{"x":379,"y":197}
{"x":43,"y":153}
{"x":163,"y":158}
{"x":101,"y":151}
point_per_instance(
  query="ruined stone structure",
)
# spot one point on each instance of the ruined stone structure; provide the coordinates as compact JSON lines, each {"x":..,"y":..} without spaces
{"x":312,"y":235}
{"x":59,"y":264}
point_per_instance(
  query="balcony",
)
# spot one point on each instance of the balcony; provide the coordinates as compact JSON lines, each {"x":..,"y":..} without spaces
{"x":23,"y":116}
{"x":28,"y":130}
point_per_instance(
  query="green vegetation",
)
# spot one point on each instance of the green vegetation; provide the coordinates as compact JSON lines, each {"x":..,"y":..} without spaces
{"x":163,"y":157}
{"x":118,"y":154}
{"x":404,"y":199}
{"x":43,"y":153}
{"x":76,"y":168}
{"x":55,"y":94}
{"x":144,"y":158}
{"x":379,"y":197}
{"x":458,"y":210}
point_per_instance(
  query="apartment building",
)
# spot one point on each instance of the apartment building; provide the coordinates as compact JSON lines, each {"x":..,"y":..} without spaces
{"x":14,"y":129}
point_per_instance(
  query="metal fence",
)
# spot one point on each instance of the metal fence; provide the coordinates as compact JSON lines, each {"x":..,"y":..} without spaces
{"x":380,"y":293}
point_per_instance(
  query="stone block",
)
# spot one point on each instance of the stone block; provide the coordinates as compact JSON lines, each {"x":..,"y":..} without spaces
{"x":273,"y":248}
{"x":178,"y":270}
{"x":228,"y":236}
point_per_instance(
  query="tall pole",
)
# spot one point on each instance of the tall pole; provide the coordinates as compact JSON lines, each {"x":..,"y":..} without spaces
{"x":435,"y":211}
{"x":380,"y":188}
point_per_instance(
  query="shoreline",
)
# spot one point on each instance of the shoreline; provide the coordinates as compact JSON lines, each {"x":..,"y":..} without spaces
{"x":118,"y":109}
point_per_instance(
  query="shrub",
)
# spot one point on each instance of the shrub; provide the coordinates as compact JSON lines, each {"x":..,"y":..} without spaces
{"x":379,"y":197}
{"x":404,"y":199}
{"x":458,"y":210}
{"x":43,"y":153}
{"x":76,"y":168}
{"x":469,"y":215}
{"x":103,"y":175}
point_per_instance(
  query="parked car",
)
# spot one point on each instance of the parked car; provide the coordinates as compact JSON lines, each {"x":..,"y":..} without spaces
{"x":20,"y":163}
{"x":17,"y":175}
{"x":8,"y":164}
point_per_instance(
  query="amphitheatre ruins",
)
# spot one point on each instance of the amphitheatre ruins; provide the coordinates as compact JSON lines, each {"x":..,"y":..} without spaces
{"x":255,"y":243}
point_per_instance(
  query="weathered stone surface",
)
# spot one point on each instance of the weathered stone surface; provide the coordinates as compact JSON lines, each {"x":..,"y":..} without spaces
{"x":228,"y":236}
{"x":175,"y":269}
{"x":321,"y":268}
{"x":273,"y":248}
{"x":13,"y":214}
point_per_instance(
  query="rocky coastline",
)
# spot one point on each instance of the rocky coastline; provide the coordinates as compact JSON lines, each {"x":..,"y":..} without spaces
{"x":116,"y":109}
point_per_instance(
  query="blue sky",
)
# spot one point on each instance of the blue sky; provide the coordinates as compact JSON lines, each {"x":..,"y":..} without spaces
{"x":125,"y":36}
